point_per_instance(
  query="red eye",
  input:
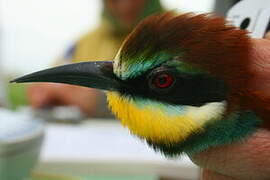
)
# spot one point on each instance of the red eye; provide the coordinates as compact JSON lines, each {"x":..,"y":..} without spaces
{"x":163,"y":80}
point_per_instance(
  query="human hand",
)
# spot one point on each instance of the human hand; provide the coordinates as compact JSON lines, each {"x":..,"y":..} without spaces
{"x":43,"y":95}
{"x":248,"y":159}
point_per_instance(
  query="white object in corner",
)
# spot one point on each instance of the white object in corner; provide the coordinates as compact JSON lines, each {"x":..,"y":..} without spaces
{"x":252,"y":15}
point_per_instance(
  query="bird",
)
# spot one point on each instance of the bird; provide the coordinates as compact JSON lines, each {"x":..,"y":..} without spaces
{"x":178,"y":82}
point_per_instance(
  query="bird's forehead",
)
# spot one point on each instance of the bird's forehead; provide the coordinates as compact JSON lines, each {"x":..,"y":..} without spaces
{"x":128,"y":66}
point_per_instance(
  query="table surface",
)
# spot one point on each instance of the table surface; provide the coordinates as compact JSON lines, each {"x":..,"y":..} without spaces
{"x":104,"y":145}
{"x":98,"y":140}
{"x":98,"y":147}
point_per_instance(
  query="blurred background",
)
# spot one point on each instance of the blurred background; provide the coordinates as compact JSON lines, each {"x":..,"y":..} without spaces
{"x":34,"y":33}
{"x":50,"y":131}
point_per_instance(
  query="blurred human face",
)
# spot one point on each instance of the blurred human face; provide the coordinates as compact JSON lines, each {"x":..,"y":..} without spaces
{"x":126,"y":11}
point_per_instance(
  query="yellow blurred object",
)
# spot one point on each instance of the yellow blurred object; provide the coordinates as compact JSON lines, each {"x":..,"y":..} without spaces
{"x":104,"y":42}
{"x":44,"y":176}
{"x":100,"y":44}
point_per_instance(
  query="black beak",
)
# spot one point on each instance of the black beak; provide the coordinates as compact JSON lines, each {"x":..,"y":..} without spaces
{"x":97,"y":74}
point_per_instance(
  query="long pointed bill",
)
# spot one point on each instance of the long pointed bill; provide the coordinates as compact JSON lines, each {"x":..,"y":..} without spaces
{"x":97,"y":74}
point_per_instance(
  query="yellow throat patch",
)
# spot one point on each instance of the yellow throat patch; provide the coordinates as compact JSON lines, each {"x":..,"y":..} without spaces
{"x":161,"y":123}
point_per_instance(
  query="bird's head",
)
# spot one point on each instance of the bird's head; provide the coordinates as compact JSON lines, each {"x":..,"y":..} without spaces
{"x":171,"y":80}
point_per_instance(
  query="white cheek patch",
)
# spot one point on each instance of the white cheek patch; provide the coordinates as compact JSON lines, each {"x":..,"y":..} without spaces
{"x":163,"y":123}
{"x":200,"y":115}
{"x":207,"y":112}
{"x":116,"y":63}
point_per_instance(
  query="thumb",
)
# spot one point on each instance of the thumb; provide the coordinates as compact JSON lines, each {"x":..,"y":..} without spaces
{"x":267,"y":35}
{"x":247,"y":159}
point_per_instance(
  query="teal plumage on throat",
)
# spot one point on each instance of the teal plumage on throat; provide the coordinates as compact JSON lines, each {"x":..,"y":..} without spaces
{"x":220,"y":132}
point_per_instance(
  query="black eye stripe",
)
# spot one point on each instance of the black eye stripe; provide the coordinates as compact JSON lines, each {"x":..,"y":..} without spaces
{"x":186,"y":89}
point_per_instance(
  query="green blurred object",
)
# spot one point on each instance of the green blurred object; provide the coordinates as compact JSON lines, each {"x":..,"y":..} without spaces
{"x":16,"y":94}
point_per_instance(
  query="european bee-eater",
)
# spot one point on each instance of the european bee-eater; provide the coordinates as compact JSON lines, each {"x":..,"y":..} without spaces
{"x":178,"y":82}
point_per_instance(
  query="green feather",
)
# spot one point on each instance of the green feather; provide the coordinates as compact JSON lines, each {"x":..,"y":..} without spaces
{"x":184,"y":67}
{"x":133,"y":66}
{"x":236,"y":127}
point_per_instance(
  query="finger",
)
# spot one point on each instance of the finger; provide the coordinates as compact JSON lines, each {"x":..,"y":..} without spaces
{"x":210,"y":175}
{"x":84,"y":98}
{"x":38,"y":95}
{"x":42,"y":95}
{"x":267,"y":36}
{"x":40,"y":101}
{"x":248,"y":159}
{"x":260,"y":66}
{"x":260,"y":54}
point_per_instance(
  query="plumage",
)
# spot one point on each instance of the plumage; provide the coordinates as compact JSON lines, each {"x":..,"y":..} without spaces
{"x":162,"y":123}
{"x":202,"y":41}
{"x":181,"y":83}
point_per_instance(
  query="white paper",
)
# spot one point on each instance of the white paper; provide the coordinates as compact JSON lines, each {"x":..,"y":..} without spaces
{"x":98,"y":141}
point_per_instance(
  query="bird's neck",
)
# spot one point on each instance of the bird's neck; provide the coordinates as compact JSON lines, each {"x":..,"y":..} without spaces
{"x":220,"y":132}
